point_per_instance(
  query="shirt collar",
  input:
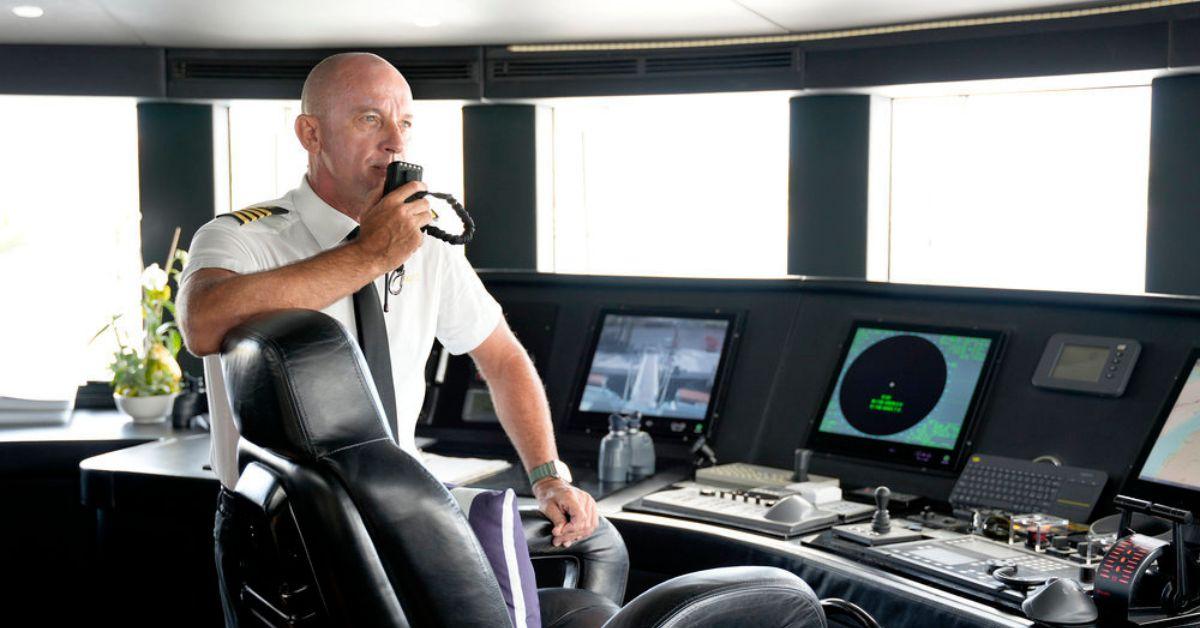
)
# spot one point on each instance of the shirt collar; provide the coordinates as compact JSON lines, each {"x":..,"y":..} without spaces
{"x":327,"y":225}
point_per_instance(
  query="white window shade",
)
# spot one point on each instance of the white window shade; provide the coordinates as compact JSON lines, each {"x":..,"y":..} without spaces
{"x":69,"y":239}
{"x":1041,"y":190}
{"x":691,"y":185}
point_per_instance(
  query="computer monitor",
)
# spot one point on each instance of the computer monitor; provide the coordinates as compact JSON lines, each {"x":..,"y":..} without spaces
{"x":1167,"y":470}
{"x":668,"y":365}
{"x":464,"y":401}
{"x":905,"y":394}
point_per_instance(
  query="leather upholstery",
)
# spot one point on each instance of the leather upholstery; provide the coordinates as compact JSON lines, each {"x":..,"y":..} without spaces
{"x":764,"y":597}
{"x":574,"y":608}
{"x":298,"y":387}
{"x":601,"y":559}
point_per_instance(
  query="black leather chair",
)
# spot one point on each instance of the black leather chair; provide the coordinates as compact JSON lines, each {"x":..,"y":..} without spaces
{"x":341,"y":527}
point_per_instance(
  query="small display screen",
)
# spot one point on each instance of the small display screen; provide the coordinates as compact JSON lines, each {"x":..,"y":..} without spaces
{"x":659,"y":366}
{"x":1080,"y":363}
{"x":988,"y":549}
{"x":905,"y":395}
{"x":942,"y":555}
{"x":1174,"y":459}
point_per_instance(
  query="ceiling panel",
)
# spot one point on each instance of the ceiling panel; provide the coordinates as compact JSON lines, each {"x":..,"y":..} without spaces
{"x":258,"y":23}
{"x":65,"y":21}
{"x":802,"y":16}
{"x":347,"y":23}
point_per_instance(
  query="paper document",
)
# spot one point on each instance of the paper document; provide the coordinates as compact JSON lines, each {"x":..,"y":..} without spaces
{"x":18,"y":411}
{"x":462,"y":470}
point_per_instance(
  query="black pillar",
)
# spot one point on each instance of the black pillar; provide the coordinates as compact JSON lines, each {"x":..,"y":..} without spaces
{"x":175,"y":174}
{"x":1173,"y":220}
{"x":500,"y":180}
{"x":828,"y":185}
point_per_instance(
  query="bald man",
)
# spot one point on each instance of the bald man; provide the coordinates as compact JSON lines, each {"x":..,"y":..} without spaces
{"x":292,"y":253}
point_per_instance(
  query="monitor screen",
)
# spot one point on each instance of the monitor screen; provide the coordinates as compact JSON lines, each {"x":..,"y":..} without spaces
{"x":1080,"y":363}
{"x":666,"y":366}
{"x":905,"y":394}
{"x":463,"y":401}
{"x":1174,"y":457}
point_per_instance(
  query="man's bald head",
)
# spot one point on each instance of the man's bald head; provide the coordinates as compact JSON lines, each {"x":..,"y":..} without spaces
{"x":335,"y":74}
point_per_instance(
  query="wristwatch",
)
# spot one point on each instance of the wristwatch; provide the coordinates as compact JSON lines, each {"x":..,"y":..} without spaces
{"x":553,"y":469}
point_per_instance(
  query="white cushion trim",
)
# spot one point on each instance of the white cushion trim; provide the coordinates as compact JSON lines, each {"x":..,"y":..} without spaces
{"x":510,"y":558}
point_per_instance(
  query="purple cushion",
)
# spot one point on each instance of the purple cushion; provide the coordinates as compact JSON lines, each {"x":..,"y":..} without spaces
{"x":497,"y":524}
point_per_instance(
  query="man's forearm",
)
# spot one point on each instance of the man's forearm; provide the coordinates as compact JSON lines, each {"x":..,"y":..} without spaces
{"x":210,"y":304}
{"x":522,"y":407}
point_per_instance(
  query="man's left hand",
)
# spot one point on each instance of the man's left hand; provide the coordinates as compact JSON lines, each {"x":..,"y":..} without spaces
{"x":572,"y":511}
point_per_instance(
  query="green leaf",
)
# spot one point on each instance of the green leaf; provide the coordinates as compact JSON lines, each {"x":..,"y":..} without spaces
{"x":174,"y":341}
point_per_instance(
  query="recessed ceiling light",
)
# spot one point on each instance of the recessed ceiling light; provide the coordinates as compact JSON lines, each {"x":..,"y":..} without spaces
{"x":427,"y":21}
{"x":27,"y":11}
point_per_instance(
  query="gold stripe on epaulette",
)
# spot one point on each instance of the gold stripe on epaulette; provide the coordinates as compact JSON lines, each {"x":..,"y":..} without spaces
{"x":250,"y":214}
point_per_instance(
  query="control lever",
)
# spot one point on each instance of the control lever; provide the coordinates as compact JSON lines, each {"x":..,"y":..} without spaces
{"x":880,"y":530}
{"x":881,"y":523}
{"x":800,"y":465}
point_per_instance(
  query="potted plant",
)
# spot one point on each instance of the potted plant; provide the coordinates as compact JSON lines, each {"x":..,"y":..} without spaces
{"x":146,"y":375}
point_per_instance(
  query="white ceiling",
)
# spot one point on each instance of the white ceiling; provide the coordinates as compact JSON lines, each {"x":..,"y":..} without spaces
{"x":385,"y":23}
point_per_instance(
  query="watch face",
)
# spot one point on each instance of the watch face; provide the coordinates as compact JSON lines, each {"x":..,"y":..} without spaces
{"x":564,"y":472}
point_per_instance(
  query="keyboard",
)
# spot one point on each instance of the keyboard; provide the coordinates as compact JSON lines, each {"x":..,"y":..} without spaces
{"x":746,"y":476}
{"x":1020,"y":486}
{"x":743,"y":475}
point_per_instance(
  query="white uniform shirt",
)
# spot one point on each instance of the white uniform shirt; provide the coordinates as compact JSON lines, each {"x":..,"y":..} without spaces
{"x":442,"y":297}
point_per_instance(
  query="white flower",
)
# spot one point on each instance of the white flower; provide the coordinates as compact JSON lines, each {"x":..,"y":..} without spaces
{"x":154,"y":278}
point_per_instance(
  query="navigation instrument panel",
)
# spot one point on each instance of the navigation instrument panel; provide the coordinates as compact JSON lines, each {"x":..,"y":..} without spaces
{"x":1168,"y":469}
{"x":906,"y":394}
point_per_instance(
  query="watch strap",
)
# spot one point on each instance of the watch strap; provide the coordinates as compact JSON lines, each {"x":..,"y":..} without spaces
{"x":543,"y":471}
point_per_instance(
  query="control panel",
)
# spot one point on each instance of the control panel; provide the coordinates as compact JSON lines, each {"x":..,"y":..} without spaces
{"x":769,"y":510}
{"x":966,"y":562}
{"x":970,"y":560}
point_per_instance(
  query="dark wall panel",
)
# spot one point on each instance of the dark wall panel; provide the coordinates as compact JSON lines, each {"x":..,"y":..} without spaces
{"x":433,"y":72}
{"x":1173,"y":222}
{"x":82,"y":70}
{"x":605,"y":73}
{"x":1041,"y":54}
{"x":1185,"y":43}
{"x":500,"y":176}
{"x":175,"y":174}
{"x":792,"y":339}
{"x":827,"y":185}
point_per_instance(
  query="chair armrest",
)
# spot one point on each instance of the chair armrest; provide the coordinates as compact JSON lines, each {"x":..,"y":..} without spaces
{"x":729,"y":596}
{"x":601,"y":558}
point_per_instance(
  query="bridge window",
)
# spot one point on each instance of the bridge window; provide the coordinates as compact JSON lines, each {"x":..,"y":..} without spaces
{"x":691,"y":185}
{"x":1040,"y":190}
{"x":70,"y":246}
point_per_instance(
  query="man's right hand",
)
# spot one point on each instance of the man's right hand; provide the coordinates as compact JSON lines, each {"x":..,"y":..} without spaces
{"x":390,"y":231}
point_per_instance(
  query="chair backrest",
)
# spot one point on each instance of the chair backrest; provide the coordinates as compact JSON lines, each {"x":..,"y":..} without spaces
{"x":370,"y":515}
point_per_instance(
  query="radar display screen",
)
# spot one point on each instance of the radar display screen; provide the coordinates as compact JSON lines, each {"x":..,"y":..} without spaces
{"x":905,"y":394}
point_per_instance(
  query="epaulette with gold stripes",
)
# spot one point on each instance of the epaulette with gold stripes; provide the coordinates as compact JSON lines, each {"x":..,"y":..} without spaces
{"x":250,"y":214}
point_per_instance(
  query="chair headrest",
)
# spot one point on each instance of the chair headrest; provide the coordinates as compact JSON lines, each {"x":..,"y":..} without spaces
{"x":298,"y":385}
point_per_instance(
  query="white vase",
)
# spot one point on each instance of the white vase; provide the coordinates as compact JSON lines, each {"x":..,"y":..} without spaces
{"x":152,"y":409}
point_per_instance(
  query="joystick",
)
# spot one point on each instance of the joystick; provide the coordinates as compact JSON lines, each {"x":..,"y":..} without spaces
{"x":880,"y":530}
{"x":800,"y":465}
{"x":881,"y":523}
